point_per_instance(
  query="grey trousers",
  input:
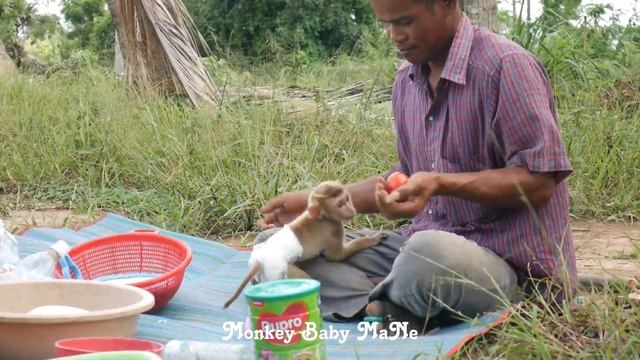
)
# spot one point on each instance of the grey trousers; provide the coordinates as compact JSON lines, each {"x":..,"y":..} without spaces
{"x":428,"y":274}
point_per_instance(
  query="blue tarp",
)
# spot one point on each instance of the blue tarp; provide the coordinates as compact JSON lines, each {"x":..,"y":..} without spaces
{"x":195,"y":313}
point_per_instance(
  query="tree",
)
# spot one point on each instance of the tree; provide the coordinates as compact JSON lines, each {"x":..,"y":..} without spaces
{"x":159,"y":44}
{"x":257,"y":27}
{"x":557,"y":11}
{"x":42,"y":27}
{"x":482,"y":12}
{"x":92,"y":26}
{"x":14,"y":17}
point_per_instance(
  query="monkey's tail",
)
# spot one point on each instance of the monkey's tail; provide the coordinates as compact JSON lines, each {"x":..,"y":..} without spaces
{"x":254,"y":270}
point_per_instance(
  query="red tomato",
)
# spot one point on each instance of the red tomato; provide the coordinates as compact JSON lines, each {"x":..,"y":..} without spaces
{"x":395,"y":180}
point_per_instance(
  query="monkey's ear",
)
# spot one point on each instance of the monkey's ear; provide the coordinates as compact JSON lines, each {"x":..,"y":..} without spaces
{"x":314,"y":211}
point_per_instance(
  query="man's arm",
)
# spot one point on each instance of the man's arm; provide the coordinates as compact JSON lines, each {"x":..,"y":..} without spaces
{"x":362,"y":195}
{"x":500,"y":188}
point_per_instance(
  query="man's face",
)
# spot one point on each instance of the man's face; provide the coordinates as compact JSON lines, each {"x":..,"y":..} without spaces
{"x":419,"y":30}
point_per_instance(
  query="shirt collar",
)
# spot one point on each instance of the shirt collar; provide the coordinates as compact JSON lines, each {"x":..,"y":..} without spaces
{"x":455,"y":68}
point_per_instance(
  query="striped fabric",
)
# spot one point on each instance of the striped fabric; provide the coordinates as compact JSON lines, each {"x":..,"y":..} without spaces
{"x":195,"y":313}
{"x":492,"y":108}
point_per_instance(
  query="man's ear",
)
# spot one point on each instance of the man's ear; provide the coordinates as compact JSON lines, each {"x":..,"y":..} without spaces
{"x":314,"y":211}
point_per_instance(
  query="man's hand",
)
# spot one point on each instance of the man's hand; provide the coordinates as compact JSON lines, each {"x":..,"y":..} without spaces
{"x":283,"y":209}
{"x":407,"y":200}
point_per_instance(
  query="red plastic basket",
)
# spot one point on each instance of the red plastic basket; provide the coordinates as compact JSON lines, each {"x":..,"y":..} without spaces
{"x":140,"y":251}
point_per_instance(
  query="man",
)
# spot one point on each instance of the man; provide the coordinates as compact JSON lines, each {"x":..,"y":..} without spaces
{"x":477,"y":131}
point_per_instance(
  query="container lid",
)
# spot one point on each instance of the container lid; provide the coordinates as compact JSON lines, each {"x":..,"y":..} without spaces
{"x":282,"y":289}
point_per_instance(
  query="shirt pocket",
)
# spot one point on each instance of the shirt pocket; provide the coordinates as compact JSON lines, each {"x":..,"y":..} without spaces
{"x":461,"y":142}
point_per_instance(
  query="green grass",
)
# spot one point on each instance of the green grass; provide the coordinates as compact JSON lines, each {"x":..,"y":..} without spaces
{"x":606,"y":327}
{"x":77,"y":139}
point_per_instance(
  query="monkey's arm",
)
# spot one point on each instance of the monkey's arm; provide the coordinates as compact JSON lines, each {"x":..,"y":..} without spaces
{"x":339,"y":251}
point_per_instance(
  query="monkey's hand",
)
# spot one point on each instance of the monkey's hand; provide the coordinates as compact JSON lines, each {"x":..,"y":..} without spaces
{"x":409,"y":199}
{"x":283,"y":209}
{"x":377,"y":238}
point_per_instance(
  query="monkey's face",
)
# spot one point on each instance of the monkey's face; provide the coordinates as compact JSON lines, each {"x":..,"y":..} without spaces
{"x":341,"y":207}
{"x":331,"y":200}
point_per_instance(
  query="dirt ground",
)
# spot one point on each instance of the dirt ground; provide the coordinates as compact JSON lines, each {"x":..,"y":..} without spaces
{"x":601,"y":248}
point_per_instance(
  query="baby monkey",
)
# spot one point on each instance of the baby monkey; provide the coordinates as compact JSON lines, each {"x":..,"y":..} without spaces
{"x":319,"y":229}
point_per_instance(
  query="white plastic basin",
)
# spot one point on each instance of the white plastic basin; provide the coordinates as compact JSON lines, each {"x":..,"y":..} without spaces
{"x":113,"y":310}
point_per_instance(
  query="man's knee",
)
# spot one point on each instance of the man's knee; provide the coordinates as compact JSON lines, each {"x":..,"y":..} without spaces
{"x":447,"y":256}
{"x":439,"y":248}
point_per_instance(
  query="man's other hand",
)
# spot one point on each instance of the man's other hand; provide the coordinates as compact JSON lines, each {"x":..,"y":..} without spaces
{"x":283,"y":209}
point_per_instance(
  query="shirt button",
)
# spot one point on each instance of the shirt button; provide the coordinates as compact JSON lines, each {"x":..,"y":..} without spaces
{"x":430,"y":211}
{"x":431,"y":118}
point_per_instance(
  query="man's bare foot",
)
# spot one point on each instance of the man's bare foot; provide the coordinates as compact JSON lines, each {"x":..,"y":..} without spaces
{"x":390,"y":312}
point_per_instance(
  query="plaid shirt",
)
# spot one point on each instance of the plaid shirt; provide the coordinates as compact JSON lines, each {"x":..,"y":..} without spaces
{"x":493,"y":108}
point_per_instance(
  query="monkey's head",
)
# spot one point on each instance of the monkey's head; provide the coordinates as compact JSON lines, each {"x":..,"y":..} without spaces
{"x":331,"y":200}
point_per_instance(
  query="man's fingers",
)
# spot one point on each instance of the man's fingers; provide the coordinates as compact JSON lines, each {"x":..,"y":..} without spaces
{"x":381,"y":197}
{"x":270,"y":219}
{"x":268,"y":207}
{"x":409,"y":207}
{"x":264,"y":226}
{"x":380,"y":184}
{"x":403,"y":193}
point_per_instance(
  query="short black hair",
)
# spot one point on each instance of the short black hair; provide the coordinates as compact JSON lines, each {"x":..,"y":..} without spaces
{"x":430,"y":2}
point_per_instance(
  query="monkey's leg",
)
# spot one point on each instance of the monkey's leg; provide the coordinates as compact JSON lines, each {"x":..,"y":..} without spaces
{"x":295,"y":272}
{"x":344,"y":250}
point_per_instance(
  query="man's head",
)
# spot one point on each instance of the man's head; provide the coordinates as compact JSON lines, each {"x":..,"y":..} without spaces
{"x":422,"y":30}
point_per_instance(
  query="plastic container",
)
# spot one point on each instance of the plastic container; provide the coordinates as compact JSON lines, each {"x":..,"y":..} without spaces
{"x":196,"y":350}
{"x":288,"y":305}
{"x":37,"y":266}
{"x":8,"y":246}
{"x":112,"y":311}
{"x":143,"y":258}
{"x":113,"y":355}
{"x":88,"y":345}
{"x":41,"y":265}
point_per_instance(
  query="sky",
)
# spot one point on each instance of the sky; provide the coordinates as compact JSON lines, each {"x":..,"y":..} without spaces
{"x":626,"y":7}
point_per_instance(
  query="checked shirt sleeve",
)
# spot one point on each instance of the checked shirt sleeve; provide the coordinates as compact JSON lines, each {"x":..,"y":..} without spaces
{"x":525,"y":126}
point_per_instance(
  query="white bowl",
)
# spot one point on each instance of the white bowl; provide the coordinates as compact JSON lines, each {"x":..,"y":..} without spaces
{"x":113,"y":310}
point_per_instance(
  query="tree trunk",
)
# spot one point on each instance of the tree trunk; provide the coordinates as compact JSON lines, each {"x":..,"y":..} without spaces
{"x":6,"y":64}
{"x":482,"y":12}
{"x":118,"y":63}
{"x":117,"y":24}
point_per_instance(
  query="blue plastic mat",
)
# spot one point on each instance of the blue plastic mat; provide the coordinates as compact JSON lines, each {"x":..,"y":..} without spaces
{"x":195,"y":313}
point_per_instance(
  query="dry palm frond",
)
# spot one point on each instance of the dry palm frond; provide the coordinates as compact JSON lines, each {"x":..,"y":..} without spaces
{"x":159,"y":46}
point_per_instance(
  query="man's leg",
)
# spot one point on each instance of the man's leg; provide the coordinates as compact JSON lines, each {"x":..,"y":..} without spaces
{"x":345,"y":286}
{"x":438,"y":272}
